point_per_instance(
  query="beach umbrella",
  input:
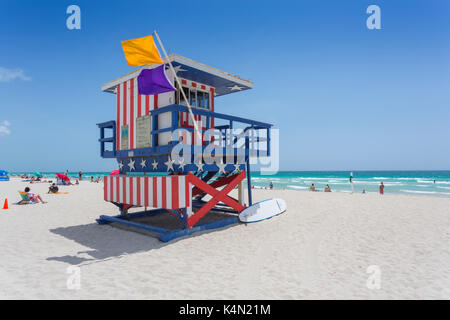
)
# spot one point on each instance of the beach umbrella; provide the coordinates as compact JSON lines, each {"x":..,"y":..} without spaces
{"x":63,"y":177}
{"x":114,"y":172}
{"x":37,"y":174}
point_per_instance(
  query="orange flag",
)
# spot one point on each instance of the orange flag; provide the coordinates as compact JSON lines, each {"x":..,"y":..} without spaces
{"x":141,"y":51}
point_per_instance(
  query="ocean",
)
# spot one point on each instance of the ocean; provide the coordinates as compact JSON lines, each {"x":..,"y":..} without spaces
{"x":431,"y":183}
{"x":435,"y":183}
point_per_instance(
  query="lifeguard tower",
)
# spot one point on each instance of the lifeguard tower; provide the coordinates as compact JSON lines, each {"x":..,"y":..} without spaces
{"x":165,"y":165}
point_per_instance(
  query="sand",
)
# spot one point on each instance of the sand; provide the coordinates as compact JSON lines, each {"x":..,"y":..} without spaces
{"x":321,"y":247}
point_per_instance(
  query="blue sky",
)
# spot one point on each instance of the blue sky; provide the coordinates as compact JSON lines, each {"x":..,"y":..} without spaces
{"x":344,"y":97}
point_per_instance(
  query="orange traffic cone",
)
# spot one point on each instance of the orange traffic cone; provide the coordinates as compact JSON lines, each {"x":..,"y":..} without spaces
{"x":5,"y":205}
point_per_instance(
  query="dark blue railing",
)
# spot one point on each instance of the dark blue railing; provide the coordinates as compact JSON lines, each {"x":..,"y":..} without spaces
{"x":174,"y":110}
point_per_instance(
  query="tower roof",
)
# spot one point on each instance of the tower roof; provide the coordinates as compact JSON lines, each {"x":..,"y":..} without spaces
{"x":223,"y":82}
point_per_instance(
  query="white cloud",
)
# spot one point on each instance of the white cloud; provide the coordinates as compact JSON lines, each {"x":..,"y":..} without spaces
{"x":7,"y":75}
{"x":4,"y":128}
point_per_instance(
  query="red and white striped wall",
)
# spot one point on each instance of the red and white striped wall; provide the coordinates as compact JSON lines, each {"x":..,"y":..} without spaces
{"x":130,"y":105}
{"x":168,"y":192}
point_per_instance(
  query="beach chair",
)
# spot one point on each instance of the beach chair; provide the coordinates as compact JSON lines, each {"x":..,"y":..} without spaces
{"x":25,"y":198}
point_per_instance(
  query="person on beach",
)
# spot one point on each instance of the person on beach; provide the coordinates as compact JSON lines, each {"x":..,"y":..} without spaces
{"x":327,"y":188}
{"x":92,"y":178}
{"x":53,"y":188}
{"x":312,"y":188}
{"x":34,"y":197}
{"x":80,"y":175}
{"x":67,"y":173}
{"x":382,"y":188}
{"x":271,"y":185}
{"x":364,"y":191}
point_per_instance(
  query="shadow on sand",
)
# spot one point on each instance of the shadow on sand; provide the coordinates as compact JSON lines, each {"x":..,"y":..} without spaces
{"x":109,"y":242}
{"x":105,"y":241}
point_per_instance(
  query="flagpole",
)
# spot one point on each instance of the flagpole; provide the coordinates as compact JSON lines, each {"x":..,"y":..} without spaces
{"x":179,"y":86}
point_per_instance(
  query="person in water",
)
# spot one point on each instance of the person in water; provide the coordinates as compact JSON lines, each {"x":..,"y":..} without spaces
{"x":34,"y":197}
{"x":271,"y":185}
{"x":312,"y":188}
{"x":381,"y":188}
{"x":327,"y":188}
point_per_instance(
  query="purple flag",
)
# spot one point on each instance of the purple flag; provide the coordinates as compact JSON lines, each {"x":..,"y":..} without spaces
{"x":154,"y":81}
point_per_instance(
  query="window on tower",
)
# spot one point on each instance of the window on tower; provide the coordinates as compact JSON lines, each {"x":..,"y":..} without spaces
{"x":197,"y":98}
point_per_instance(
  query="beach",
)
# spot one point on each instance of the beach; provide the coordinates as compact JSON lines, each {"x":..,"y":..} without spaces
{"x":320,"y":248}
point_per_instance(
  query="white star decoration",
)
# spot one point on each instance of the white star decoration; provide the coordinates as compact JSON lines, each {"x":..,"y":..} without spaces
{"x":169,"y":163}
{"x":199,"y":166}
{"x":131,"y":164}
{"x":181,"y":163}
{"x":120,"y":165}
{"x":143,"y":165}
{"x":236,"y":166}
{"x":235,"y":88}
{"x":178,"y":69}
{"x":221,"y":166}
{"x":155,"y":164}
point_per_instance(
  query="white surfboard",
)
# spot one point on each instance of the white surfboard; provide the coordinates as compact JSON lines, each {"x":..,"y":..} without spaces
{"x":263,"y":210}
